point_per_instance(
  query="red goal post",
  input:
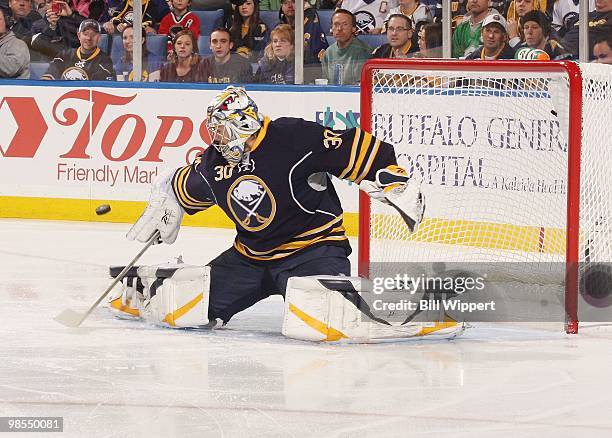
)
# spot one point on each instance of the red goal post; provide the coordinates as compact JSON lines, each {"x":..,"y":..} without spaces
{"x":396,"y":82}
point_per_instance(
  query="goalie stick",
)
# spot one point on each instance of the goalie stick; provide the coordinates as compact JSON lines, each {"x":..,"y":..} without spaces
{"x":70,"y":318}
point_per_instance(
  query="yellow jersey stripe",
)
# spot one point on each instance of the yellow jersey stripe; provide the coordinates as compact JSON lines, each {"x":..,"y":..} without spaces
{"x":180,"y":187}
{"x":322,"y":227}
{"x":261,"y":134}
{"x":356,"y":141}
{"x":242,"y":249}
{"x":194,"y":203}
{"x":296,"y":244}
{"x":368,"y":165}
{"x":364,"y":147}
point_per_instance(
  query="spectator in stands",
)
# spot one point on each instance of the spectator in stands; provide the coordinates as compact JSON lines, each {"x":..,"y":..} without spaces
{"x":565,"y":15}
{"x":417,"y":12}
{"x":269,"y":5}
{"x":179,"y":18}
{"x":14,"y":53}
{"x":600,"y":25}
{"x":24,"y":22}
{"x":213,"y":5}
{"x":516,"y":11}
{"x":153,"y":11}
{"x":602,"y":49}
{"x":60,"y":30}
{"x":430,"y":41}
{"x":184,"y":64}
{"x":277,"y":64}
{"x":536,"y":27}
{"x":494,"y":40}
{"x":125,"y":66}
{"x":41,"y":6}
{"x":459,"y":9}
{"x":223,"y":66}
{"x":315,"y":42}
{"x":249,"y":33}
{"x":344,"y":59}
{"x":370,"y":15}
{"x":89,"y":8}
{"x":399,"y":37}
{"x":85,"y":63}
{"x":466,"y":37}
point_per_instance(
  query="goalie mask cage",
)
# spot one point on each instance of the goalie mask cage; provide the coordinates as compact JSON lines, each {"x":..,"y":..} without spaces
{"x":514,"y":158}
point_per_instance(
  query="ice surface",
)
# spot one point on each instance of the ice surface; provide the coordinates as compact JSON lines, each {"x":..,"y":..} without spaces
{"x":114,"y":378}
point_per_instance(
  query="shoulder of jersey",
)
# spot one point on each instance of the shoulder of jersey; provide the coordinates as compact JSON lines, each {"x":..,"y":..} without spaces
{"x":211,"y":157}
{"x":286,"y":123}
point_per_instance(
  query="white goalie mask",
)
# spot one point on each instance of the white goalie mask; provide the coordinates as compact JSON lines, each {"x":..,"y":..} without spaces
{"x":232,"y":118}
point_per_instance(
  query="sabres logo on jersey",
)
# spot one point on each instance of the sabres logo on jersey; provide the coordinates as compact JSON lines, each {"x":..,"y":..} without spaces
{"x":365,"y":21}
{"x":75,"y":74}
{"x":129,"y":17}
{"x":251,"y":203}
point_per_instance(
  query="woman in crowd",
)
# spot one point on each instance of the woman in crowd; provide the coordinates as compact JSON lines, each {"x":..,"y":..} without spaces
{"x":315,"y":42}
{"x":125,"y":66}
{"x":517,"y":10}
{"x":184,"y":64}
{"x":248,"y":32}
{"x":430,"y":41}
{"x":277,"y":64}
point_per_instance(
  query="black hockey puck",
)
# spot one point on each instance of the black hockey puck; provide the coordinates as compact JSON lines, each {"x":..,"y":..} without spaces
{"x":103,"y":209}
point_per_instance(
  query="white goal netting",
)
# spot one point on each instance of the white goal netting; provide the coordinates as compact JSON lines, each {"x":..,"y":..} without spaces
{"x":491,"y":148}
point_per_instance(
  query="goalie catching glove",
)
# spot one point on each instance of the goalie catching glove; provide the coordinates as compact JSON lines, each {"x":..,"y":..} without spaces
{"x":393,"y":187}
{"x":163,"y":213}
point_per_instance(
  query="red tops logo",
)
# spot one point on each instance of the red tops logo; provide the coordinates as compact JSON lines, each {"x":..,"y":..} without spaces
{"x":32,"y":127}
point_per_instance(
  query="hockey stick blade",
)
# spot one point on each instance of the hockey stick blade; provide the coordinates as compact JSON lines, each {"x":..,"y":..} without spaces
{"x":70,"y":318}
{"x":73,"y":319}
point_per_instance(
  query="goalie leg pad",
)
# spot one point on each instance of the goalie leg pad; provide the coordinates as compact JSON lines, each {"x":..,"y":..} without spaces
{"x":337,"y":309}
{"x":176,"y":297}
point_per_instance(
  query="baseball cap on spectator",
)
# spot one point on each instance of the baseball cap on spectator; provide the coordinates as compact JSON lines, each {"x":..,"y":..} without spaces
{"x":90,"y":24}
{"x":496,"y":19}
{"x":538,"y":17}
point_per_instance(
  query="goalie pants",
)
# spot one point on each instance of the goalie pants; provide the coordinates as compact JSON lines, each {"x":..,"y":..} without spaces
{"x":237,"y":283}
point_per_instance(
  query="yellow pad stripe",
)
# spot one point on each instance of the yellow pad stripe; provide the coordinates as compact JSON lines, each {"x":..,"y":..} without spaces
{"x":172,"y":317}
{"x":330,"y":333}
{"x":116,"y":304}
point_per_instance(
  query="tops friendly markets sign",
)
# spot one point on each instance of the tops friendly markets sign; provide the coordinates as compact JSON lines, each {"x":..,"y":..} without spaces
{"x":111,"y":142}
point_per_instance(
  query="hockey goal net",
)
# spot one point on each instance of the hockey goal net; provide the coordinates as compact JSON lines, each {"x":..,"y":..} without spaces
{"x":515,"y":158}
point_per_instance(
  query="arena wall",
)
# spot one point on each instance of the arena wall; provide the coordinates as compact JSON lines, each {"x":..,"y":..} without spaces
{"x":67,"y":149}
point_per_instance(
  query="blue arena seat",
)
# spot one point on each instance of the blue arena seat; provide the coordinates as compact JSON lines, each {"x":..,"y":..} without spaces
{"x":209,"y":20}
{"x":116,"y":49}
{"x":105,"y":43}
{"x":204,"y":45}
{"x":37,"y":69}
{"x":325,"y":17}
{"x":156,"y":45}
{"x":270,"y":18}
{"x":374,"y":40}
